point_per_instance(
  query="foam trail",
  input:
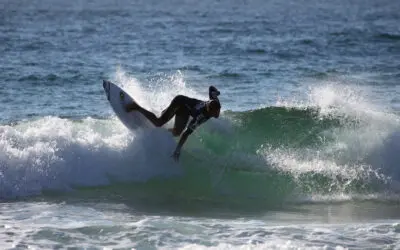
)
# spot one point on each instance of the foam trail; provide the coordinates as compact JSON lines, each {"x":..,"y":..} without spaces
{"x":54,"y":153}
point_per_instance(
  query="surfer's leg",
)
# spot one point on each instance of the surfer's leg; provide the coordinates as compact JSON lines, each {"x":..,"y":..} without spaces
{"x":176,"y":105}
{"x":166,"y":115}
{"x":151,"y":116}
{"x":131,"y":106}
{"x":181,"y":119}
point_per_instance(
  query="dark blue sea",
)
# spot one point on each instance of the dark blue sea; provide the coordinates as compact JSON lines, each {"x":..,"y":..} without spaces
{"x":305,"y":154}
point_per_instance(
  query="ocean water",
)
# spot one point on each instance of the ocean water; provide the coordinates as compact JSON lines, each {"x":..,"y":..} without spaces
{"x":304,"y":156}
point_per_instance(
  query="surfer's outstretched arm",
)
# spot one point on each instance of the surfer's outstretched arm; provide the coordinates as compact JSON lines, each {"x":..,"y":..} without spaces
{"x":182,"y":141}
{"x":196,"y":121}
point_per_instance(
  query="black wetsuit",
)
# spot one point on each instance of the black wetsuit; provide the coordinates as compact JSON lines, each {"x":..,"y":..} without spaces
{"x":183,"y":107}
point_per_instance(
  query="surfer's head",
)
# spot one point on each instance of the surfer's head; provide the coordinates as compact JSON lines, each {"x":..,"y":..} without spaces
{"x":213,"y":108}
{"x":213,"y":93}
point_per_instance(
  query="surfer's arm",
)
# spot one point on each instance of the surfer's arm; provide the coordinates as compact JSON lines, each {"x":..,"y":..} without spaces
{"x":183,"y":139}
{"x":192,"y":126}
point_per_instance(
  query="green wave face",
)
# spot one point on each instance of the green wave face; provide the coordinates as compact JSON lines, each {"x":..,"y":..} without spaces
{"x":278,"y":153}
{"x":279,"y":126}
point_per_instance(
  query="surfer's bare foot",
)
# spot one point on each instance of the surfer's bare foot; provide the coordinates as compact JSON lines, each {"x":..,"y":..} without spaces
{"x":131,"y":106}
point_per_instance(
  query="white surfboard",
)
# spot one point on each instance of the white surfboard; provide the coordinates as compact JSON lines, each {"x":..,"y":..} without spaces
{"x":118,"y":98}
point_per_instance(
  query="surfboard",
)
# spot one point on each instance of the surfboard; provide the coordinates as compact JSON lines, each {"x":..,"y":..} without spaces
{"x":118,"y":98}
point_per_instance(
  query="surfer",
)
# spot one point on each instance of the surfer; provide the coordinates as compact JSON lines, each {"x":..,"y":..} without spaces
{"x":183,"y":107}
